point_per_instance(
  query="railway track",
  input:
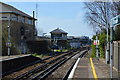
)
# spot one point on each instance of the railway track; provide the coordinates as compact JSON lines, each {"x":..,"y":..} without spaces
{"x":23,"y":69}
{"x":65,"y":77}
{"x":44,"y":74}
{"x":46,"y":67}
{"x":42,"y":71}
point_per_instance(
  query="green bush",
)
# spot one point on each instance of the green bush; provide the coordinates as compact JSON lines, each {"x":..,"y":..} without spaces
{"x":102,"y":39}
{"x":93,"y":47}
{"x":93,"y":51}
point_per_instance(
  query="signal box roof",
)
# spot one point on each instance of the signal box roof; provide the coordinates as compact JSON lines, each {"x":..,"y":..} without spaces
{"x":58,"y":31}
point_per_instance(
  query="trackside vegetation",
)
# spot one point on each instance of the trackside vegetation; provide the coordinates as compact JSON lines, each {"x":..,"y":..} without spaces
{"x":102,"y":38}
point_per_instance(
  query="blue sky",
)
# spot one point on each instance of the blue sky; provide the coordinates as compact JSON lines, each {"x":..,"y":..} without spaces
{"x":69,"y":16}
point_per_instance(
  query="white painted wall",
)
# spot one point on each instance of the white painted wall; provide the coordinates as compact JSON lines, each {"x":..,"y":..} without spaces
{"x":75,"y":44}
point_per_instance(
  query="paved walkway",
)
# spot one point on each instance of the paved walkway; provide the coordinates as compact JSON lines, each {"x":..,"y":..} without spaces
{"x":94,"y":68}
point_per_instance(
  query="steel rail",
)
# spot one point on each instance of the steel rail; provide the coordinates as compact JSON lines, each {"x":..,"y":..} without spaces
{"x":51,"y":69}
{"x":30,"y":64}
{"x":29,"y":73}
{"x":27,"y":65}
{"x":70,"y":69}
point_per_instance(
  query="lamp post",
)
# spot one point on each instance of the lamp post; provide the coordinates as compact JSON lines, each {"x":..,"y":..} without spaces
{"x":114,"y":22}
{"x":9,"y":43}
{"x":111,"y":51}
{"x":107,"y":49}
{"x":97,"y":48}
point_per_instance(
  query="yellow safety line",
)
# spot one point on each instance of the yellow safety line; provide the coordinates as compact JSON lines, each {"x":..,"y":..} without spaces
{"x":93,"y":69}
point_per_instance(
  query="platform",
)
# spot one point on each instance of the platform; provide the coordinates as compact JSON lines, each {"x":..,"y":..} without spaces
{"x":89,"y":68}
{"x":13,"y":63}
{"x":4,"y":58}
{"x":83,"y":69}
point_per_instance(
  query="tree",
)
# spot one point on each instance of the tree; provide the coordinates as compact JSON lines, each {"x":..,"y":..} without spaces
{"x":117,"y":33}
{"x":102,"y":38}
{"x":97,"y":14}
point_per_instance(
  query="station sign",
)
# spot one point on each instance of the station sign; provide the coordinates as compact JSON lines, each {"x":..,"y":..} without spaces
{"x":115,"y":21}
{"x":96,"y":42}
{"x":8,"y":44}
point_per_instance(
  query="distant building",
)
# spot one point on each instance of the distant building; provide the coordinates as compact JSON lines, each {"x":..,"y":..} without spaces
{"x":76,"y":42}
{"x":59,"y":38}
{"x":85,"y":40}
{"x":22,"y":28}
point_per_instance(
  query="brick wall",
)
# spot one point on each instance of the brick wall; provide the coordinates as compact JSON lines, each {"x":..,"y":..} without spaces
{"x":15,"y":33}
{"x":41,"y":47}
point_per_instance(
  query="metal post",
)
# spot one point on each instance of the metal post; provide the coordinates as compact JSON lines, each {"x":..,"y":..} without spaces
{"x":107,"y":50}
{"x":97,"y":52}
{"x":8,"y":51}
{"x":97,"y":46}
{"x":111,"y":51}
{"x":33,"y":25}
{"x":9,"y":24}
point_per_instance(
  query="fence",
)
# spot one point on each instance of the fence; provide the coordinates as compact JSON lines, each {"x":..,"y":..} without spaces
{"x":41,"y":46}
{"x":116,"y":55}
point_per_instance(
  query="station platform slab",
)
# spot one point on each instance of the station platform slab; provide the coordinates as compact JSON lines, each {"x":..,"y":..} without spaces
{"x":97,"y":70}
{"x":4,"y":58}
{"x":83,"y":69}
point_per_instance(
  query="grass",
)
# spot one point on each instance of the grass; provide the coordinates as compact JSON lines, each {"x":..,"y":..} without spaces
{"x":63,"y":50}
{"x":48,"y":54}
{"x":39,"y":55}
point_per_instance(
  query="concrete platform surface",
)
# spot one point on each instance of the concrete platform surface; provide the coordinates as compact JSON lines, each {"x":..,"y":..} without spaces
{"x":83,"y":69}
{"x":99,"y":70}
{"x":3,"y":58}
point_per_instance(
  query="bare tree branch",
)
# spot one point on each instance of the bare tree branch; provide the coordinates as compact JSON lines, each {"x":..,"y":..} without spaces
{"x":100,"y":9}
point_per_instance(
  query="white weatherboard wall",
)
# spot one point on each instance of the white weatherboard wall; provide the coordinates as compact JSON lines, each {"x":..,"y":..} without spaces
{"x":75,"y":44}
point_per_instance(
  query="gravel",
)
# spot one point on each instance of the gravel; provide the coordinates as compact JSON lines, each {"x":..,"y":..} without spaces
{"x":61,"y":71}
{"x":24,"y":70}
